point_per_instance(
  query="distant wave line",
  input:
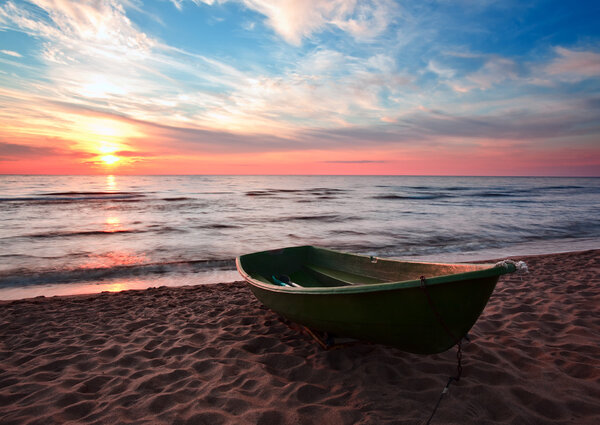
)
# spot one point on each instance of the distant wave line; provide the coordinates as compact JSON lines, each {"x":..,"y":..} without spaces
{"x":23,"y":277}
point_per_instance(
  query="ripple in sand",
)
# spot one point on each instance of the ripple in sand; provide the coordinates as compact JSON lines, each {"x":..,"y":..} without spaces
{"x":207,"y":418}
{"x":311,"y":393}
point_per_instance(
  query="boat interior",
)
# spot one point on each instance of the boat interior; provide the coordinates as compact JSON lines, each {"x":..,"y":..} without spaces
{"x":318,"y":267}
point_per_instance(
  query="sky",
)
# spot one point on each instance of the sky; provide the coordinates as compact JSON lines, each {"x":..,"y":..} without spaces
{"x":425,"y":87}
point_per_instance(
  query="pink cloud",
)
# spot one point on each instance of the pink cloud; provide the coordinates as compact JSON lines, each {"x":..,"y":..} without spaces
{"x":573,"y":65}
{"x":495,"y":71}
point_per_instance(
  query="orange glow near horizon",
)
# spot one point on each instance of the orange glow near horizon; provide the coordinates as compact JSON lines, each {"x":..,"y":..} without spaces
{"x":408,"y":161}
{"x":111,"y":146}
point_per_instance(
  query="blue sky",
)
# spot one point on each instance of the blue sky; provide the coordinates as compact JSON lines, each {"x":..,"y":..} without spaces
{"x":336,"y":86}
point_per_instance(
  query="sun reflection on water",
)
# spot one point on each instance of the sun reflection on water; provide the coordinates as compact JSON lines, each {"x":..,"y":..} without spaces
{"x":114,"y":259}
{"x":119,"y":286}
{"x":113,"y":224}
{"x":111,"y":183}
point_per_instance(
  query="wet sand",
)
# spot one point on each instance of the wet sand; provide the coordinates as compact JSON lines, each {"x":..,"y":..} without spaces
{"x":212,"y":354}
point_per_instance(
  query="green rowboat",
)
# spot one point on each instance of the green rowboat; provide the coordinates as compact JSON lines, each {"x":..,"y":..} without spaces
{"x":418,"y":307}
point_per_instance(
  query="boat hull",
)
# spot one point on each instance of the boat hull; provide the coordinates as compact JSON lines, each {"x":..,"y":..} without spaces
{"x":419,"y":317}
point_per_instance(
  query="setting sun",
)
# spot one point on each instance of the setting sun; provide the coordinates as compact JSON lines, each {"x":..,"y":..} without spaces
{"x":110,"y":159}
{"x":108,"y":149}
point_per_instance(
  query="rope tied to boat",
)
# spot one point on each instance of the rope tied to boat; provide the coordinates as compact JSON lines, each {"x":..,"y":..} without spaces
{"x":457,"y":342}
{"x":520,"y":266}
{"x":436,"y":313}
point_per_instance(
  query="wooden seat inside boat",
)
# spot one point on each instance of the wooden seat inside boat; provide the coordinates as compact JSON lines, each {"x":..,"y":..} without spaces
{"x":332,"y":277}
{"x":310,"y":275}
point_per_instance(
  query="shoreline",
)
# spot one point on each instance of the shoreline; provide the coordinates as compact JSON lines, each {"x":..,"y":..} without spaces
{"x":213,"y":354}
{"x":216,"y":276}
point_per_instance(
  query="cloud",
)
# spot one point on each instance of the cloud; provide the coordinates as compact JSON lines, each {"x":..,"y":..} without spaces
{"x":440,"y":70}
{"x":423,"y":129}
{"x":134,"y":154}
{"x":15,"y":151}
{"x":11,"y":53}
{"x":99,"y":27}
{"x":556,"y":119}
{"x":573,"y":65}
{"x":87,"y":46}
{"x":554,"y":123}
{"x":134,"y":75}
{"x":178,"y":4}
{"x":495,"y":71}
{"x":94,"y":56}
{"x":296,"y":20}
{"x":356,"y":162}
{"x":567,"y":66}
{"x":325,"y":88}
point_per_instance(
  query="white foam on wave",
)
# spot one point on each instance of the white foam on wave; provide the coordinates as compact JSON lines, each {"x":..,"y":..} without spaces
{"x":516,"y":250}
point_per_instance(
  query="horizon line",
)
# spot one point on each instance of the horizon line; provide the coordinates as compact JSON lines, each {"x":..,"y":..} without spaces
{"x":310,"y":175}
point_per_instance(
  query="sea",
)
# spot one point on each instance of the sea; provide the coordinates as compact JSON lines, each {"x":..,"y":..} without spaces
{"x":65,"y":235}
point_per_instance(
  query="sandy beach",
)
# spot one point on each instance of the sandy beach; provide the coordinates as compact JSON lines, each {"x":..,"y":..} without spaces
{"x":212,"y":354}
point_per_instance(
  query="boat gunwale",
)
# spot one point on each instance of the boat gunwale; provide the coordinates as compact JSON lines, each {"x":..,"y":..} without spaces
{"x":491,"y":271}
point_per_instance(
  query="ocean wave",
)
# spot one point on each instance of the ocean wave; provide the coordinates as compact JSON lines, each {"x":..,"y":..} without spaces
{"x":271,"y":192}
{"x":154,"y":228}
{"x":350,"y":232}
{"x":565,"y":187}
{"x":494,"y":194}
{"x":326,"y":191}
{"x":458,"y":188}
{"x":392,"y":196}
{"x":62,"y":197}
{"x":178,"y":198}
{"x":24,"y":277}
{"x":383,"y":249}
{"x":469,"y":192}
{"x":317,"y":191}
{"x":428,"y":245}
{"x":217,"y":226}
{"x":76,"y":194}
{"x":80,"y":233}
{"x":327,"y":218}
{"x":161,"y":229}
